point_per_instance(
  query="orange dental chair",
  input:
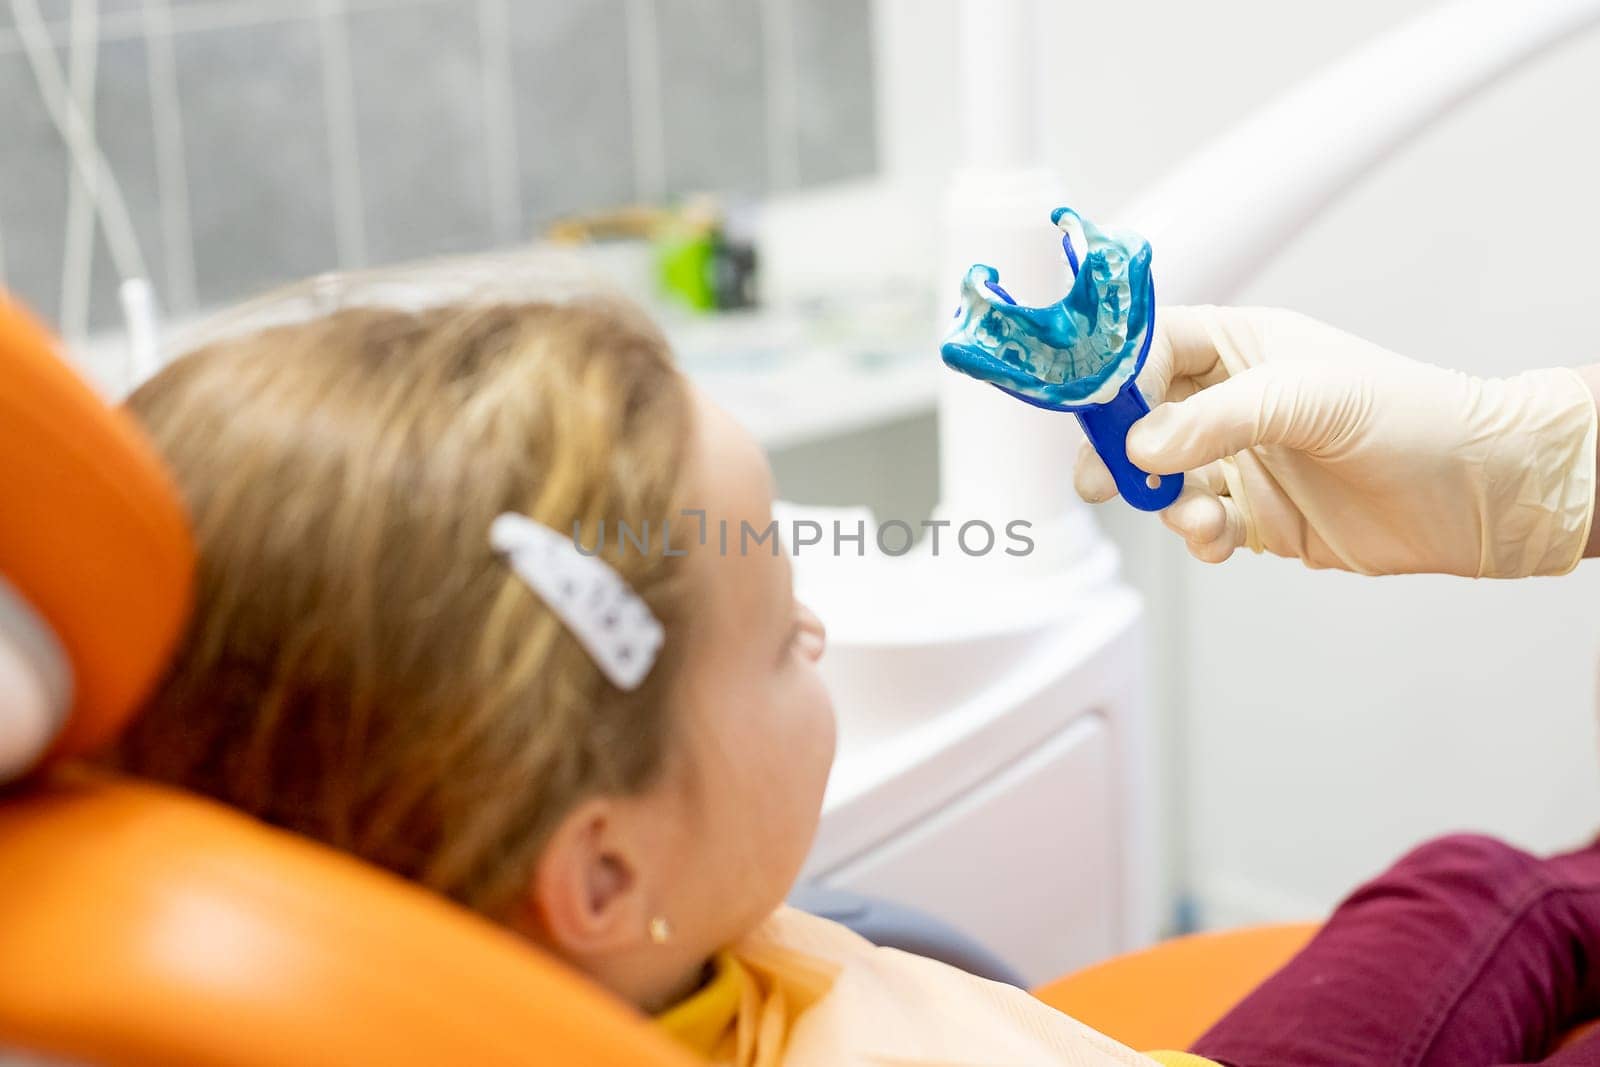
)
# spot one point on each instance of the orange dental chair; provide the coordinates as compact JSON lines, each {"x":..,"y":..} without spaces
{"x":143,"y":925}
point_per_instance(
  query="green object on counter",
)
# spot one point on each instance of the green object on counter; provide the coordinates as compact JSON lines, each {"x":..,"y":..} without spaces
{"x":685,"y":267}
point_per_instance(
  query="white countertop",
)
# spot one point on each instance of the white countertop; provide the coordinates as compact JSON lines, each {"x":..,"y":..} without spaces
{"x":790,"y":376}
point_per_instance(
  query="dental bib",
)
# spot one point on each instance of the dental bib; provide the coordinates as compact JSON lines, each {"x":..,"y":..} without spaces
{"x":1080,"y":354}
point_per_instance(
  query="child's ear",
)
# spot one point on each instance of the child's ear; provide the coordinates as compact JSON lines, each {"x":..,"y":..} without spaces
{"x":589,"y":894}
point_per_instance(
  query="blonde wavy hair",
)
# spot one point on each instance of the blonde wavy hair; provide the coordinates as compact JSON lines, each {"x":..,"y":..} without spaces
{"x":360,"y":667}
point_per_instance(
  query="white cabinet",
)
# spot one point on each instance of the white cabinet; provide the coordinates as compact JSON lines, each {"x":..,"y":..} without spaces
{"x":1025,"y":862}
{"x":1020,"y":812}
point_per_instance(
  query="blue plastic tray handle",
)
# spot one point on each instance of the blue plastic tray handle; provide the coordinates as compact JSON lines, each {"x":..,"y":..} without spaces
{"x":1107,"y":428}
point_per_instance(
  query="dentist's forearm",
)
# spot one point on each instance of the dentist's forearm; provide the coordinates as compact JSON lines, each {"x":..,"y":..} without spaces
{"x":1591,"y":378}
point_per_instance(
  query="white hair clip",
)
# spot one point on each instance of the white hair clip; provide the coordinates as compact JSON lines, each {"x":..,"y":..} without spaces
{"x":613,"y":625}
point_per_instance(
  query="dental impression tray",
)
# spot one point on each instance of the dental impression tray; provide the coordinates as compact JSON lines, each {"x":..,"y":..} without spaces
{"x":1079,"y":354}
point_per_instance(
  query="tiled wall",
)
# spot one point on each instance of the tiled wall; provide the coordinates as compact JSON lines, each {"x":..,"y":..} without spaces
{"x":260,"y":140}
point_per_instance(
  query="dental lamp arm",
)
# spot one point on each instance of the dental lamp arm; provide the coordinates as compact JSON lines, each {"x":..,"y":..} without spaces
{"x":1217,"y":218}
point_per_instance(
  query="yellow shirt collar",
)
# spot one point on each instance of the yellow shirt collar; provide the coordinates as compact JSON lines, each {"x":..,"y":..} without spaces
{"x":703,"y":1019}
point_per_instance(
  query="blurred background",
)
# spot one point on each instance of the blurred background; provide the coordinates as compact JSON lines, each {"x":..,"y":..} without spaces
{"x":1307,"y":727}
{"x":260,"y":141}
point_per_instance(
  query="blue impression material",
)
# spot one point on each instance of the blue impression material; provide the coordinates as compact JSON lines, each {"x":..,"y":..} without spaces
{"x":1080,"y":354}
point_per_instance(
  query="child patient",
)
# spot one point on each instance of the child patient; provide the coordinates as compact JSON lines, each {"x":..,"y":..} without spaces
{"x":625,"y":766}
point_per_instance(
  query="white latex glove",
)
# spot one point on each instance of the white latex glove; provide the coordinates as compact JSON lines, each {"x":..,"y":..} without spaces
{"x":1304,"y":441}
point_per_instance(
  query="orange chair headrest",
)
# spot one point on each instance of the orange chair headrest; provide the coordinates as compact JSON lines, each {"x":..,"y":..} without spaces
{"x":93,"y":539}
{"x":143,"y":925}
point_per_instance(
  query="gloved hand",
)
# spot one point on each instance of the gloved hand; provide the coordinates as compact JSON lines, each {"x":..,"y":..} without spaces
{"x":1307,"y":442}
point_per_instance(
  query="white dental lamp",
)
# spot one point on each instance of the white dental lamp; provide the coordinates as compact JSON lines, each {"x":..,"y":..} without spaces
{"x":1001,"y":460}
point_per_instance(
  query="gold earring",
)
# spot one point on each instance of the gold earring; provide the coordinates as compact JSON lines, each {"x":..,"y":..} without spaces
{"x":660,"y":930}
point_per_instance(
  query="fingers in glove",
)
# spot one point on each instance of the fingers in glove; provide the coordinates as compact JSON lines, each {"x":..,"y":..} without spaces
{"x":1091,"y":478}
{"x":1183,"y":351}
{"x":1232,"y":537}
{"x":1197,"y":515}
{"x":1210,"y":522}
{"x":1095,"y":485}
{"x":1261,"y":406}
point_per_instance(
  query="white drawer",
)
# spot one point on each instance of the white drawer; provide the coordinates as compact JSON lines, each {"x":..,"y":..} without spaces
{"x":1025,"y":861}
